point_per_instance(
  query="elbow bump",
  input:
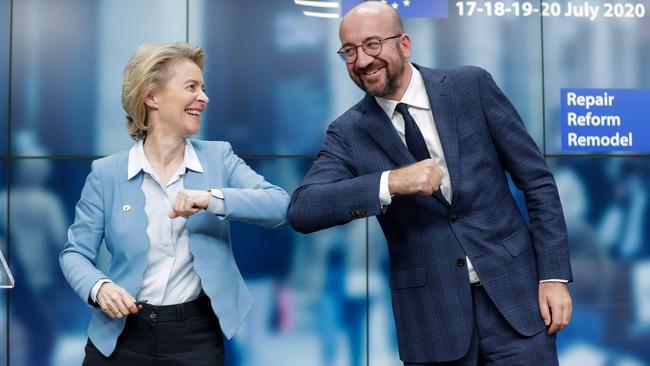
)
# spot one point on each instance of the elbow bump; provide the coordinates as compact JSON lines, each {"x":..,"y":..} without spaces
{"x":297,"y":223}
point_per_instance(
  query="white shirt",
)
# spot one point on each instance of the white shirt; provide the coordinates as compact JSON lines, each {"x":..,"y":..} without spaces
{"x":169,"y":277}
{"x":417,"y":100}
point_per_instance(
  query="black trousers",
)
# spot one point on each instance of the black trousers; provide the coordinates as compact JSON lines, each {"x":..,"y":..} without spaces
{"x":182,"y":334}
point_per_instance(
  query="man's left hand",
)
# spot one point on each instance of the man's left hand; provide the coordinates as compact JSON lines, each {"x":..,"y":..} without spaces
{"x":188,"y":202}
{"x":555,"y":305}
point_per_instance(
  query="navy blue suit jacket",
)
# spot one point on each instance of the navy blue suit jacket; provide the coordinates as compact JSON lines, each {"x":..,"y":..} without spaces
{"x":482,"y":137}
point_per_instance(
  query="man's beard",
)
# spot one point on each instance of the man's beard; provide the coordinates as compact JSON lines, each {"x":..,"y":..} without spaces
{"x":390,"y":85}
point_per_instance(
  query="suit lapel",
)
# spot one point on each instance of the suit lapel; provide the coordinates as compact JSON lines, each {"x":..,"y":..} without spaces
{"x":196,"y":181}
{"x":137,"y":241}
{"x":381,"y":129}
{"x":442,"y":108}
{"x":134,"y":197}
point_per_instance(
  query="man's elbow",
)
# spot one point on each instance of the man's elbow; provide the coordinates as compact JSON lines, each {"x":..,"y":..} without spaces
{"x":298,"y":220}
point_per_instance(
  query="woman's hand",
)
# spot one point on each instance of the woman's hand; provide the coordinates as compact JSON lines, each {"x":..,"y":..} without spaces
{"x":115,"y":301}
{"x":188,"y":202}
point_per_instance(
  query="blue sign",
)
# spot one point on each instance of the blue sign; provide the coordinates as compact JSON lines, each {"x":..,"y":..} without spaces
{"x":604,"y":120}
{"x":409,"y":8}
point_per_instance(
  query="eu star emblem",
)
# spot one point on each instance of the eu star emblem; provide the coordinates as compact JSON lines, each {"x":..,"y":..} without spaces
{"x":408,"y":8}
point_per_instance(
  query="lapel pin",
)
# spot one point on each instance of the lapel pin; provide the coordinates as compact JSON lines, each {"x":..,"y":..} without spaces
{"x":126,"y":208}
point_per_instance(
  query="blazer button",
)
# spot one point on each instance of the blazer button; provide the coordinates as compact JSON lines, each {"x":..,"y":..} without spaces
{"x":454,"y":218}
{"x":460,"y":262}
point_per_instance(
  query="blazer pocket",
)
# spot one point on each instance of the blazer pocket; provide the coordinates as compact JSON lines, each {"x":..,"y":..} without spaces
{"x":518,"y":242}
{"x":408,"y":277}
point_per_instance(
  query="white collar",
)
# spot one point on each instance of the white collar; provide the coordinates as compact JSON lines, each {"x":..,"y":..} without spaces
{"x":138,"y":160}
{"x":415,"y":95}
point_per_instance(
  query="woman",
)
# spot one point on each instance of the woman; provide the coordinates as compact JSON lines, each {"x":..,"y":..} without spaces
{"x":172,"y":287}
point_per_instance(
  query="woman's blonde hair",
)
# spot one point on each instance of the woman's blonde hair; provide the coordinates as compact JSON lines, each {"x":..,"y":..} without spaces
{"x":147,"y":71}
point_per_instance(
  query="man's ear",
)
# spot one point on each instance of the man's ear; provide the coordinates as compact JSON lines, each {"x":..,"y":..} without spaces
{"x":405,"y":45}
{"x":151,"y":102}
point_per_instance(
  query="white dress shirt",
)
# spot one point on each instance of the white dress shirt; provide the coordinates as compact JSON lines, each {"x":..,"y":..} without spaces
{"x":418,"y":102}
{"x":169,"y":277}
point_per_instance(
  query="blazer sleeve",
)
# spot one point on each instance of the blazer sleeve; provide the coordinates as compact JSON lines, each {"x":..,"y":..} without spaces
{"x":333,"y":193}
{"x":249,"y":197}
{"x":77,"y":260}
{"x":520,"y":156}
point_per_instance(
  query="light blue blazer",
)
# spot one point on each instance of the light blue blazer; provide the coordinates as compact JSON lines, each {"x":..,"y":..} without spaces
{"x":100,"y":214}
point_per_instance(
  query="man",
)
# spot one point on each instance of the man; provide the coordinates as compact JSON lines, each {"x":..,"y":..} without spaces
{"x":426,"y":151}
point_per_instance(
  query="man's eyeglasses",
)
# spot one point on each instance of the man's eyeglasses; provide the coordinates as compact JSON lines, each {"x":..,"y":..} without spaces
{"x":372,"y":47}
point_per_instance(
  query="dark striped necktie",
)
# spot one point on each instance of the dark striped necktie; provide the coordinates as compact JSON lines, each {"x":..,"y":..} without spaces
{"x":414,"y":140}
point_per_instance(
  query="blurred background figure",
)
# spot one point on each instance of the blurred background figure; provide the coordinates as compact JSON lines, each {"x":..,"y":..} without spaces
{"x":608,"y":289}
{"x":43,"y":311}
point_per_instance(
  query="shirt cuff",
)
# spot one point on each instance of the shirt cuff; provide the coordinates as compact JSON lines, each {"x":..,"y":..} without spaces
{"x":95,"y":289}
{"x":384,"y":193}
{"x":217,"y":205}
{"x":554,"y":280}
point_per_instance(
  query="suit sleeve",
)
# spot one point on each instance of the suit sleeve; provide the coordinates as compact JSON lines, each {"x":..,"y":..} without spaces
{"x":249,"y":197}
{"x":77,"y":260}
{"x":332,"y":193}
{"x":520,"y":156}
